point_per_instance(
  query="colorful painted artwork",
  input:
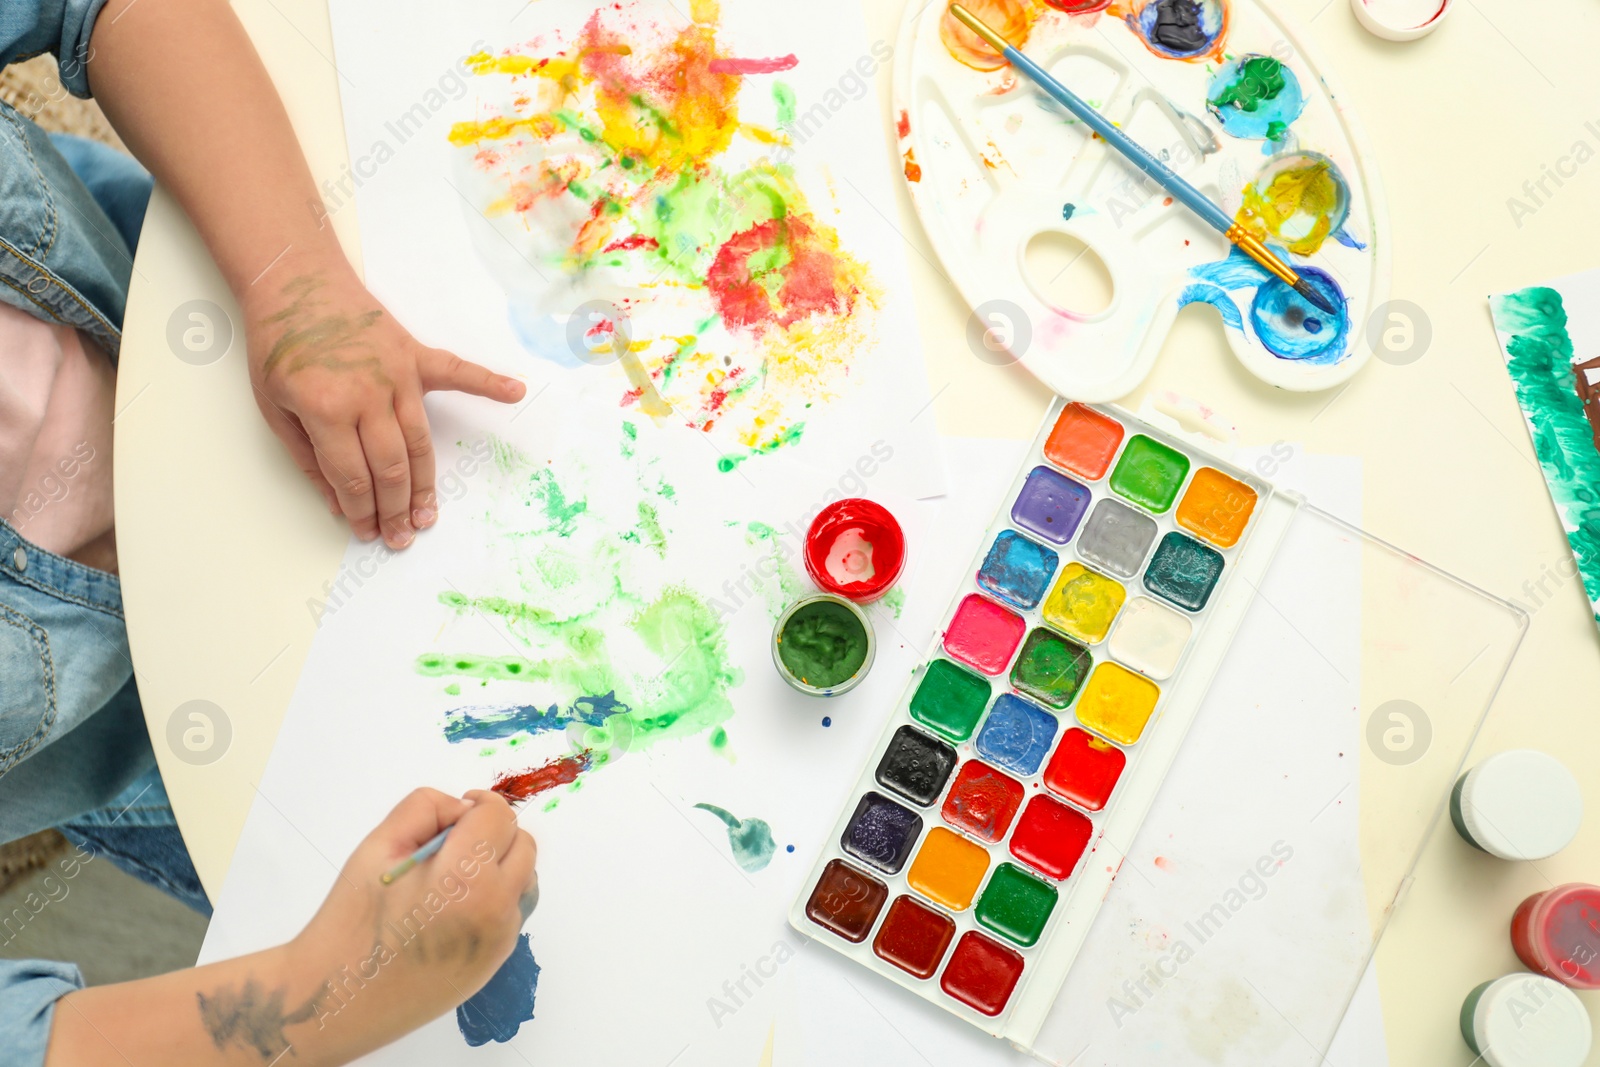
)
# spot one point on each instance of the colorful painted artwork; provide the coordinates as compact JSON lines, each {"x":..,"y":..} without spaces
{"x":1550,"y":336}
{"x":641,"y":169}
{"x":612,"y":653}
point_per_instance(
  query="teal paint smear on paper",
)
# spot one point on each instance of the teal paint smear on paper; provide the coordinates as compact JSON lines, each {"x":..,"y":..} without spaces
{"x":749,"y":839}
{"x":1539,"y":357}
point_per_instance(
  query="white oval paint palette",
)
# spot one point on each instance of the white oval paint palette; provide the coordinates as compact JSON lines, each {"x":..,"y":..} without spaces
{"x":1222,"y":91}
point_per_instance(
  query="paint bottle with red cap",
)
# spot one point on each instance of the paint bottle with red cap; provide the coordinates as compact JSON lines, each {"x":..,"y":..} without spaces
{"x":1557,"y":934}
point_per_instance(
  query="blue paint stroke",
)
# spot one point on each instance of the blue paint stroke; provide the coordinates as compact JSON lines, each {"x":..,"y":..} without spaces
{"x":750,"y":840}
{"x":1344,"y":237}
{"x":498,"y":723}
{"x":1217,"y":298}
{"x":1286,"y":323}
{"x":1016,"y":570}
{"x":497,"y":1011}
{"x":1272,"y":116}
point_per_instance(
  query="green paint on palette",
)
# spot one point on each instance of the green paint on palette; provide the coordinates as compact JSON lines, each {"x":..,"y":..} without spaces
{"x":950,"y":700}
{"x":823,"y":644}
{"x":1051,"y":669}
{"x":785,"y":437}
{"x":1260,"y":80}
{"x":750,"y":840}
{"x":1539,"y":355}
{"x":1149,"y":473}
{"x":1016,"y":905}
{"x":783,"y":96}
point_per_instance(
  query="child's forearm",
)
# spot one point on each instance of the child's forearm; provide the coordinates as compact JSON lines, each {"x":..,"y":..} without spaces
{"x":245,"y":1011}
{"x":181,"y":82}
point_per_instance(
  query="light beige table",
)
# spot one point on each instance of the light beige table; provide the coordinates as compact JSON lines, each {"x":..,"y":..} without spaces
{"x":223,"y":544}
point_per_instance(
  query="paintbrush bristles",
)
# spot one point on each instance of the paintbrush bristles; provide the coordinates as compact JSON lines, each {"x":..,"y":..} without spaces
{"x":1305,"y":289}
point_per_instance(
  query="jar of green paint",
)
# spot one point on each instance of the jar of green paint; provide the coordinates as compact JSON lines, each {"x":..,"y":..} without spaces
{"x":823,"y":645}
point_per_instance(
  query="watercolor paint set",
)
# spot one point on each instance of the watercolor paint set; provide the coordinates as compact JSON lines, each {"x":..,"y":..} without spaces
{"x":1087,"y":625}
{"x":992,"y":816}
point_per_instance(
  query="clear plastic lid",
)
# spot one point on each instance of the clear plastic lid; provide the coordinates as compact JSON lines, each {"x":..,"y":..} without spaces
{"x":1249,"y":903}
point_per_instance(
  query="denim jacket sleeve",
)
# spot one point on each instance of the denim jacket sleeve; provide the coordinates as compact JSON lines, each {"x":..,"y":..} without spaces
{"x":60,"y":27}
{"x":61,"y":259}
{"x":29,"y":990}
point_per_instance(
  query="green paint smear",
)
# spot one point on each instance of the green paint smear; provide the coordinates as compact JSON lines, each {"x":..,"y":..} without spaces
{"x":650,"y":529}
{"x":1259,"y":81}
{"x":558,"y":511}
{"x":823,"y":644}
{"x":1540,"y":362}
{"x":678,"y":671}
{"x":749,"y":839}
{"x":783,"y":96}
{"x":895,"y":600}
{"x":786,"y":437}
{"x":789,"y":585}
{"x":692,"y":218}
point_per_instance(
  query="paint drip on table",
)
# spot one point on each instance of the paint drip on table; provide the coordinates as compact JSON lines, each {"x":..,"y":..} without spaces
{"x":638,"y":208}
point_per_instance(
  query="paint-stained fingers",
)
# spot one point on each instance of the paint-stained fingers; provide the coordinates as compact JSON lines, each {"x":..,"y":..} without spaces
{"x":445,"y":370}
{"x":298,"y":442}
{"x":419,"y":447}
{"x":488,"y":829}
{"x":344,"y":464}
{"x":385,"y":448}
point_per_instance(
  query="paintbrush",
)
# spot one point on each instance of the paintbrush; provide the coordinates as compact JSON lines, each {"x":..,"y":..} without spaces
{"x":1136,"y":154}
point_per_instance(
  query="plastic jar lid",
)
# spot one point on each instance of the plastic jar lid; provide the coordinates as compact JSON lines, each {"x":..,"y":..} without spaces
{"x":1401,"y":20}
{"x":1526,"y":1020}
{"x":1518,"y":805}
{"x":1557,"y":933}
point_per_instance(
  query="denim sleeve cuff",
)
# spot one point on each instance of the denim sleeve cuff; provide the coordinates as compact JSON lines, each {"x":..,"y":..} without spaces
{"x":77,"y":24}
{"x":29,"y":990}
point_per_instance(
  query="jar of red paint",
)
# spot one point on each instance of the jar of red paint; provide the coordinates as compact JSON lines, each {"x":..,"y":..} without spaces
{"x":855,"y":549}
{"x":1557,"y":934}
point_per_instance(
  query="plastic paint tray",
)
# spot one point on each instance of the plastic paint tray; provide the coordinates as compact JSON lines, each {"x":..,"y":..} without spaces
{"x":993,"y":164}
{"x":1325,"y":705}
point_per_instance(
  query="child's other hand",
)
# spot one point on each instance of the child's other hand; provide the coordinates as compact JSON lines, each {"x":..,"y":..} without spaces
{"x":394,"y":956}
{"x":341,"y":383}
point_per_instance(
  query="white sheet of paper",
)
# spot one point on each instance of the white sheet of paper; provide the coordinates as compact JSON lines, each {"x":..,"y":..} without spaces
{"x":472,"y":246}
{"x":644,"y":919}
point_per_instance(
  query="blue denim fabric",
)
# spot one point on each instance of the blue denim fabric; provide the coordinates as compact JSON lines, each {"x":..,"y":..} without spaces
{"x":116,"y":181}
{"x":29,"y":990}
{"x":61,"y":258}
{"x":138,"y":834}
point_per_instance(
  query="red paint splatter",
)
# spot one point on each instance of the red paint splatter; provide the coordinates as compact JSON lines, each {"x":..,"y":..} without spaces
{"x":1164,"y":863}
{"x":561,"y":771}
{"x":809,"y":282}
{"x":753,"y":66}
{"x":632,"y":241}
{"x":1167,"y":202}
{"x":904,"y":125}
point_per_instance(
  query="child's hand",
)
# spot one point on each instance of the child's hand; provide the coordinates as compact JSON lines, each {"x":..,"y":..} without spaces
{"x":400,"y":954}
{"x":341,"y":383}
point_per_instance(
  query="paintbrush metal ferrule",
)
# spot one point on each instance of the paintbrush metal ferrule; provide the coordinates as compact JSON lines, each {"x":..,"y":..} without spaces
{"x":1257,"y":250}
{"x":981,"y":28}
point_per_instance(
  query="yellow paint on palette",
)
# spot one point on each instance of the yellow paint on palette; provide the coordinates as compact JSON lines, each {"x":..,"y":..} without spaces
{"x":1117,"y":703}
{"x":1084,"y":604}
{"x":948,"y":869}
{"x":1216,"y":507}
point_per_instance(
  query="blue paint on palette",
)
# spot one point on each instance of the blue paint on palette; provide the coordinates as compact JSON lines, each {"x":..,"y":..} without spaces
{"x":1248,"y":105}
{"x":1050,"y":505}
{"x":496,"y":723}
{"x":497,"y":1011}
{"x":1286,"y":323}
{"x":1016,"y":570}
{"x":1017,"y":735}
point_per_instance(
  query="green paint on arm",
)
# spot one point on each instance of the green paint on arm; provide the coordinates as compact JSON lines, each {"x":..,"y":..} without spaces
{"x":750,"y":840}
{"x":1540,"y":361}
